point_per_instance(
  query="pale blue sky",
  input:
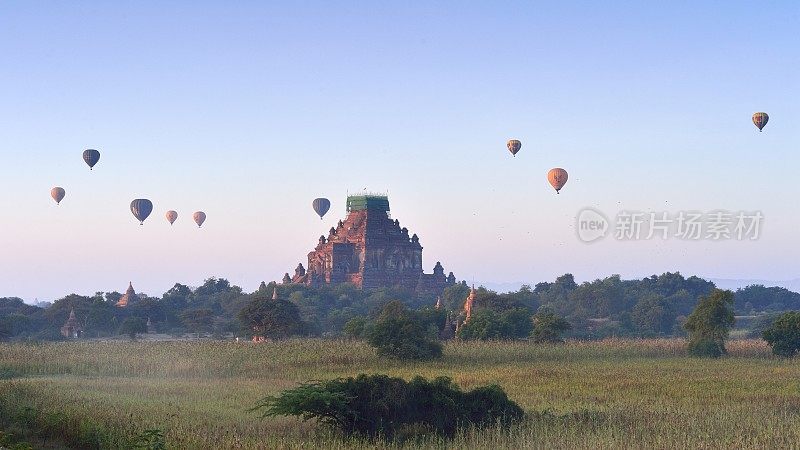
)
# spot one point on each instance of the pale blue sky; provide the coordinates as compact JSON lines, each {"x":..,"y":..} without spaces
{"x":250,"y":110}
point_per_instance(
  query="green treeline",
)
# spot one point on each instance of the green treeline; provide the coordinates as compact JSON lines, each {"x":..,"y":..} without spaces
{"x":653,"y":306}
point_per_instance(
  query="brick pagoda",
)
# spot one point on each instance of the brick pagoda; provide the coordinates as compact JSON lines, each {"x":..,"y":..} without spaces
{"x":370,"y":250}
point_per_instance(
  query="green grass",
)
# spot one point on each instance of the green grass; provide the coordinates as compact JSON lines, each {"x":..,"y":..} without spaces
{"x":609,"y":394}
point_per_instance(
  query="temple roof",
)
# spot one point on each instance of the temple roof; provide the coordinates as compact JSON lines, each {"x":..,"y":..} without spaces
{"x":72,"y":321}
{"x":129,"y":298}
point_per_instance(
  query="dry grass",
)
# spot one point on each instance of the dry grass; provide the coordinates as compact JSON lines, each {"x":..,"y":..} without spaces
{"x":607,"y":394}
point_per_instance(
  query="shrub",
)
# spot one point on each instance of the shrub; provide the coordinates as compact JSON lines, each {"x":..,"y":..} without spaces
{"x":784,"y":334}
{"x":10,"y":442}
{"x":152,"y":439}
{"x":706,"y":348}
{"x":378,"y":405}
{"x":399,"y":333}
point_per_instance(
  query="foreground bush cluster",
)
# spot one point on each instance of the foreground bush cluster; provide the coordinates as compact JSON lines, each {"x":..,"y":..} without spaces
{"x":379,"y":405}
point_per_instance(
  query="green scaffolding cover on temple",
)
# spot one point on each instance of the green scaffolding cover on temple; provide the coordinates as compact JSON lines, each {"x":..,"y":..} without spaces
{"x":370,"y":202}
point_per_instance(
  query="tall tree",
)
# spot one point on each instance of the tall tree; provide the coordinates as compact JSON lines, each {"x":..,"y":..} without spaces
{"x":399,"y":333}
{"x":272,"y":318}
{"x":548,"y":327}
{"x":710,"y":323}
{"x":198,"y":320}
{"x":133,"y":326}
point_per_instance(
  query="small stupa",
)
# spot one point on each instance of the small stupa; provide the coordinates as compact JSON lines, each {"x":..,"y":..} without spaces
{"x":129,"y":298}
{"x":72,"y":329}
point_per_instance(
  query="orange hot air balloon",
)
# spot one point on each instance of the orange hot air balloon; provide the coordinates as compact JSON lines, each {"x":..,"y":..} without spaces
{"x":58,"y":194}
{"x":199,"y":217}
{"x":760,"y":119}
{"x":514,"y":146}
{"x":557,"y":178}
{"x":172,"y":216}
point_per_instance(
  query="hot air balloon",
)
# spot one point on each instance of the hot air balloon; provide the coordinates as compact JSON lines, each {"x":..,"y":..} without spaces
{"x":91,"y":157}
{"x":172,"y":216}
{"x":557,"y":178}
{"x":760,"y":119}
{"x":58,"y":194}
{"x":141,"y":209}
{"x":321,"y":206}
{"x":514,"y":146}
{"x":199,"y":217}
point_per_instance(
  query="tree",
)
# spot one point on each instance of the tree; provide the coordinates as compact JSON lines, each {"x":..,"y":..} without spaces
{"x":276,"y":319}
{"x":709,"y":324}
{"x":398,"y":333}
{"x":784,"y":334}
{"x":5,"y":329}
{"x":548,"y":327}
{"x":356,"y":327}
{"x":760,"y":298}
{"x":487,"y":324}
{"x":518,"y":322}
{"x":198,"y":320}
{"x":484,"y":325}
{"x":131,"y":326}
{"x":651,"y":315}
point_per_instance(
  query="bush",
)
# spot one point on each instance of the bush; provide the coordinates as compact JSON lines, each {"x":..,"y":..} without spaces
{"x":10,"y":442}
{"x":399,"y":333}
{"x":706,"y":348}
{"x":378,"y":405}
{"x":784,"y":334}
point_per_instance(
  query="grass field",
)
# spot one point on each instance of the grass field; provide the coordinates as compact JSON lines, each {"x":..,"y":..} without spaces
{"x":608,"y":394}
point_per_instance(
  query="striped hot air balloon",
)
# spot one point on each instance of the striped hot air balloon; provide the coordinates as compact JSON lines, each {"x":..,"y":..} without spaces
{"x":321,"y":206}
{"x":58,"y":194}
{"x":91,"y":157}
{"x":760,"y":120}
{"x":557,"y":178}
{"x":514,"y":146}
{"x":141,"y":209}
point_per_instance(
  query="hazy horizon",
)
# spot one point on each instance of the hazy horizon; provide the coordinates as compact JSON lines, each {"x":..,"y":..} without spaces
{"x":250,"y":112}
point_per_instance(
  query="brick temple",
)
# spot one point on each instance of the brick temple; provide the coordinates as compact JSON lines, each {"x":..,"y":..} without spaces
{"x":370,"y":250}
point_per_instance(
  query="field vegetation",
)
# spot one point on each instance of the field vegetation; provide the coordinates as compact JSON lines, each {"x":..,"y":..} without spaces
{"x":611,"y":393}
